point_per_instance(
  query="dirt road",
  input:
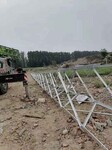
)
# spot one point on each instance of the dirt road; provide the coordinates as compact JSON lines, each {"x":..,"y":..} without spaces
{"x":34,"y":125}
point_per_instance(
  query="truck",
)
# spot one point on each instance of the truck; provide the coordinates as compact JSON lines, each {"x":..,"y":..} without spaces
{"x":8,"y":73}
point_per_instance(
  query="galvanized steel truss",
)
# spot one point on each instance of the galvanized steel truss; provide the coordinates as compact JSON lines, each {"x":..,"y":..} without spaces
{"x":60,"y":88}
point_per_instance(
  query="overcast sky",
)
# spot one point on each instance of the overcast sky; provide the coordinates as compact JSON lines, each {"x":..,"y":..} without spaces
{"x":56,"y":25}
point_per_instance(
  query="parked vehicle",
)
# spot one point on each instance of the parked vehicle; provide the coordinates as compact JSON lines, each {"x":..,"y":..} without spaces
{"x":8,"y":73}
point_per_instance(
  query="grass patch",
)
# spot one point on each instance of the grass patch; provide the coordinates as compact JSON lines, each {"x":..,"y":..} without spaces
{"x":90,"y":72}
{"x":86,"y":72}
{"x":70,"y":73}
{"x":105,"y":70}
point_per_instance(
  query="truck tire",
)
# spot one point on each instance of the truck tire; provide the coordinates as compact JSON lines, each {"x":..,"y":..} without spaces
{"x":3,"y":88}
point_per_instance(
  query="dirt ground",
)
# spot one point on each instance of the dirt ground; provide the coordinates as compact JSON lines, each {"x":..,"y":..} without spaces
{"x":34,"y":125}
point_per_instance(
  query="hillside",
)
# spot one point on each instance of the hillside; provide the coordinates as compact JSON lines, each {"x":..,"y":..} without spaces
{"x":83,"y":61}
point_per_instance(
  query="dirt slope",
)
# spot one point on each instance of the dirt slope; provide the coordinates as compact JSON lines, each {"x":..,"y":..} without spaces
{"x":37,"y":126}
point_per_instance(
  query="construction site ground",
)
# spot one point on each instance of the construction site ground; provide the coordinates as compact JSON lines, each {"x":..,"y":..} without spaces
{"x":30,"y":124}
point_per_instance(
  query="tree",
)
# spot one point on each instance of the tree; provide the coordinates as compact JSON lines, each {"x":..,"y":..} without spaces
{"x":44,"y":58}
{"x":79,"y":54}
{"x":104,"y":53}
{"x":10,"y":52}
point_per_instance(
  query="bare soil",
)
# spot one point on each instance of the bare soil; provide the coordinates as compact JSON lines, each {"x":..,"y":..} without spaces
{"x":33,"y":125}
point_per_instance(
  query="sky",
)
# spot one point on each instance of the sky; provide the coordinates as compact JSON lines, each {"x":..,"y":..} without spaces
{"x":56,"y":25}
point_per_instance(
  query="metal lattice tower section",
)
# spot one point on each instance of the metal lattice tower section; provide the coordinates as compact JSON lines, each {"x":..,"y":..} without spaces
{"x":60,"y":88}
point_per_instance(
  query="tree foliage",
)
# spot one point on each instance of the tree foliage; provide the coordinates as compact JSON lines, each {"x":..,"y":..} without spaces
{"x":44,"y":58}
{"x":11,"y":52}
{"x":79,"y":54}
{"x":104,"y":53}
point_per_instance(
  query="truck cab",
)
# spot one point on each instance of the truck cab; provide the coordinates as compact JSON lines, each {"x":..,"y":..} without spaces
{"x":6,"y":67}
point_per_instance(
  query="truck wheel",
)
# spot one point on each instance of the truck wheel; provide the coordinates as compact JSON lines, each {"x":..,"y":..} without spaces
{"x":3,"y":88}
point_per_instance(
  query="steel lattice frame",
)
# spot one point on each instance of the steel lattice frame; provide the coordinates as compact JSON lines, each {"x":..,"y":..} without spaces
{"x":61,"y":89}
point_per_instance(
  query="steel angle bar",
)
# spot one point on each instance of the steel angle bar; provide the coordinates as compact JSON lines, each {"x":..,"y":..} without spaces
{"x":70,"y":83}
{"x":104,"y":83}
{"x":54,"y":79}
{"x":39,"y":81}
{"x":69,"y":86}
{"x":35,"y":77}
{"x":51,"y":86}
{"x":85,"y":86}
{"x":38,"y":78}
{"x":49,"y":89}
{"x":60,"y":89}
{"x":59,"y":93}
{"x":45,"y":84}
{"x":42,"y":82}
{"x":49,"y":79}
{"x":95,"y":112}
{"x":69,"y":99}
{"x":58,"y":85}
{"x":72,"y":87}
{"x":95,"y":138}
{"x":43,"y":79}
{"x":71,"y":91}
{"x":89,"y":115}
{"x":54,"y":86}
{"x":104,"y":105}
